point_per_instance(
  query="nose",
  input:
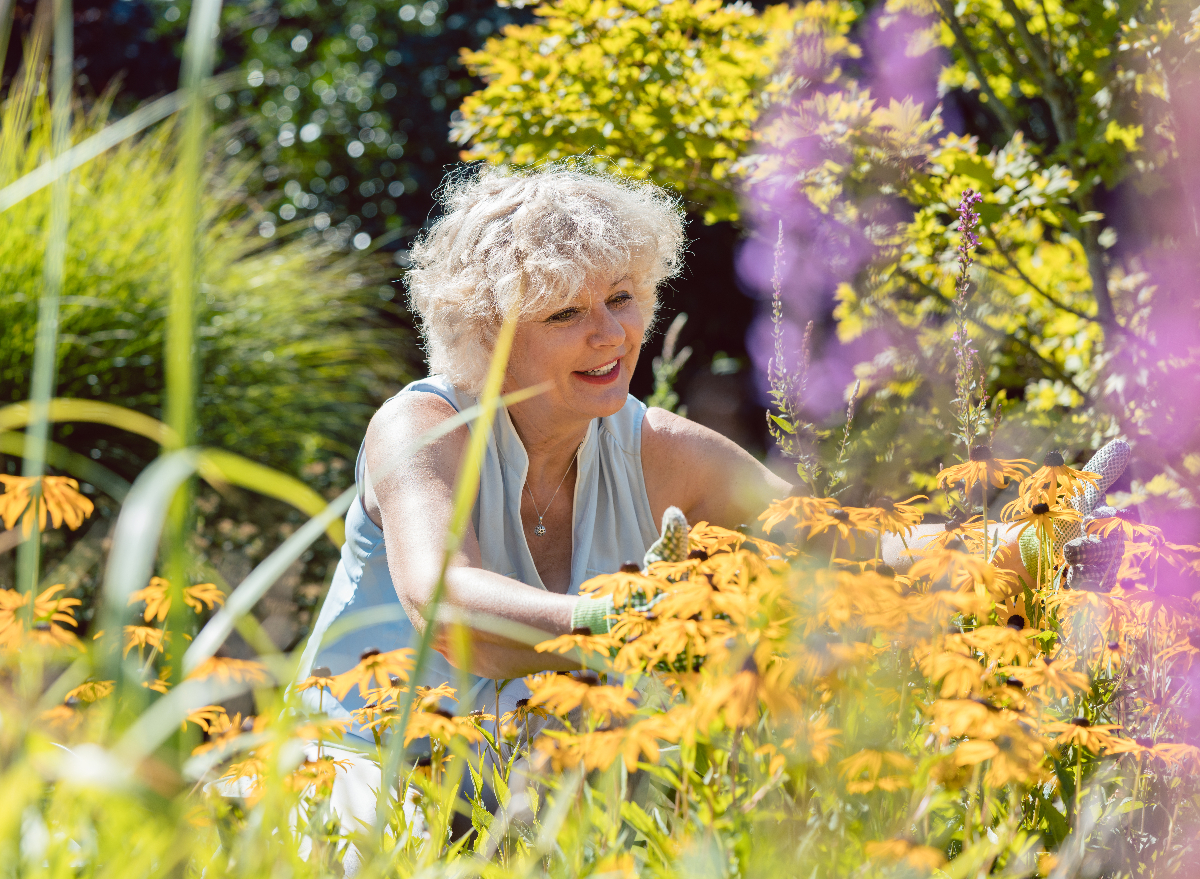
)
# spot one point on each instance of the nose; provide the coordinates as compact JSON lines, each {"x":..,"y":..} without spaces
{"x":606,"y":331}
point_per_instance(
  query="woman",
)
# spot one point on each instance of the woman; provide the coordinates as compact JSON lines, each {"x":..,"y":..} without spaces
{"x":576,"y":478}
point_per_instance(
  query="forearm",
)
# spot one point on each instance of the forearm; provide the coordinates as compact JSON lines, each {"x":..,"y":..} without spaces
{"x":503,"y":619}
{"x":900,"y":554}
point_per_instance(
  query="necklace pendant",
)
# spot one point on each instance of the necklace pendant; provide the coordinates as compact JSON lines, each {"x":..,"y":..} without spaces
{"x":539,"y":529}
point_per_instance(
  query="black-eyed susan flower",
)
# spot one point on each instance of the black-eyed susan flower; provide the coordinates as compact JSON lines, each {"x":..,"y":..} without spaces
{"x":53,"y":497}
{"x":1055,"y":480}
{"x":91,"y":691}
{"x":230,"y":670}
{"x":1039,"y":516}
{"x":142,"y":637}
{"x":801,"y":509}
{"x":374,"y":668}
{"x":207,"y":717}
{"x":1052,"y":677}
{"x":1082,"y":733}
{"x":895,"y":517}
{"x":982,"y":469}
{"x":199,"y":597}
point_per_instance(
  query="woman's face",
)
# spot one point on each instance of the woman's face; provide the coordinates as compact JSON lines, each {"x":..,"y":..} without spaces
{"x":586,"y":351}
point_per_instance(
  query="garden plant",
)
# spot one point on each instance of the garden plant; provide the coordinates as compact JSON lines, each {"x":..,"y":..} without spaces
{"x":775,"y":700}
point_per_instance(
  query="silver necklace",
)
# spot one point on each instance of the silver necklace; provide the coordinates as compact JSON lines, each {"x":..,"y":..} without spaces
{"x":539,"y":529}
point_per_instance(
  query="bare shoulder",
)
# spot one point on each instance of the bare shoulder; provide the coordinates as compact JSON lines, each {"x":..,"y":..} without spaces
{"x":705,"y":474}
{"x":404,"y":418}
{"x":393,"y":448}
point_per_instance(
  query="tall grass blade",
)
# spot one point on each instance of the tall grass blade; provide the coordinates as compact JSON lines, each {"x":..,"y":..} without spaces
{"x":18,"y":415}
{"x":113,"y":135}
{"x":45,"y":355}
{"x":180,"y":357}
{"x":466,"y":488}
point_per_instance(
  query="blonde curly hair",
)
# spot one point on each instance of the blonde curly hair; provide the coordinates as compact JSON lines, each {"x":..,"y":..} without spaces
{"x":538,"y":236}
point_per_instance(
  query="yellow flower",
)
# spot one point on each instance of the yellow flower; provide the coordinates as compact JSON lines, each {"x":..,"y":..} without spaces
{"x":1014,"y":755}
{"x":158,"y":601}
{"x":226,"y":668}
{"x":1081,"y":733}
{"x":864,"y":771}
{"x":158,"y":605}
{"x":48,"y":612}
{"x":142,"y":637}
{"x":375,"y":668}
{"x":442,"y":726}
{"x":54,"y":496}
{"x":1054,"y":480}
{"x":895,"y":517}
{"x":982,"y":469}
{"x":922,"y":858}
{"x":1052,"y":677}
{"x":320,"y":679}
{"x":91,"y":691}
{"x":959,"y":674}
{"x":969,"y":531}
{"x":802,"y":509}
{"x":207,"y":717}
{"x":318,"y":775}
{"x":1040,"y":517}
{"x":957,"y":568}
{"x":561,"y":694}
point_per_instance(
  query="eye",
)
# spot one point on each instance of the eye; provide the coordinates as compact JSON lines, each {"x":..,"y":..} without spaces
{"x":562,"y":316}
{"x":622,"y":298}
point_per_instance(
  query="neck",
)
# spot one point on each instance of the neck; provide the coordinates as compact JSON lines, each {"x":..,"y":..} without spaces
{"x":550,"y":443}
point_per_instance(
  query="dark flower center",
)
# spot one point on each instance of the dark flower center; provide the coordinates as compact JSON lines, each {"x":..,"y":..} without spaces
{"x":631,"y":568}
{"x":840,"y":515}
{"x":885,"y":503}
{"x":698,"y":554}
{"x":1016,"y":621}
{"x":956,"y":546}
{"x":1054,"y":459}
{"x":1014,"y":682}
{"x":322,"y":671}
{"x":980,"y":453}
{"x":1114,"y":646}
{"x":1081,"y":721}
{"x":1040,"y":509}
{"x":368,"y":653}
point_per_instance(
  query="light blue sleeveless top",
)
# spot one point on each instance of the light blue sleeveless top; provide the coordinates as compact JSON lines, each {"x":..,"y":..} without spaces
{"x":613,"y":524}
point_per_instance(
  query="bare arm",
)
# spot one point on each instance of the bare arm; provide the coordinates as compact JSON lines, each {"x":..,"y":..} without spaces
{"x":708,"y":476}
{"x":411,"y":498}
{"x":713,"y":479}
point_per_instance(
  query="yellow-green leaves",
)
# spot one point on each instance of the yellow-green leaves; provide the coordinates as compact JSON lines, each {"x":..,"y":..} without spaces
{"x":668,"y":92}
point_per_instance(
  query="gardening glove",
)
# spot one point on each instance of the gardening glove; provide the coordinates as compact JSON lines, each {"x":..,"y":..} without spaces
{"x":595,"y":614}
{"x":1092,"y":563}
{"x":672,"y":546}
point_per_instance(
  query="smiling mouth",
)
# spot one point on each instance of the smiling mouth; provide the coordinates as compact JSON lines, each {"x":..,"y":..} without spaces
{"x":602,"y":370}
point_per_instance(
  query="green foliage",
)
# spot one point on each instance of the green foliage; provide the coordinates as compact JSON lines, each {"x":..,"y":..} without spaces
{"x":291,"y":358}
{"x":667,"y":92}
{"x":666,"y":369}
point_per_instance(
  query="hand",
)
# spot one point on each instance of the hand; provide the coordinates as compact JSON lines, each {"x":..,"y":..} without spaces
{"x":596,"y":614}
{"x":1092,"y":562}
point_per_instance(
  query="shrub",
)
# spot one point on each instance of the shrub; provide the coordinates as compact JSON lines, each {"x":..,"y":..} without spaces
{"x":292,"y":348}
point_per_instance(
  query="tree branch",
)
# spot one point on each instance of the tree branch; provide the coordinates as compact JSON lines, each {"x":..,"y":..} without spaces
{"x":972,"y":57}
{"x":1050,"y":365}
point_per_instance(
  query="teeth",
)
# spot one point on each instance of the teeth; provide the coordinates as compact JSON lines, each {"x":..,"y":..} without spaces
{"x":603,"y":370}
